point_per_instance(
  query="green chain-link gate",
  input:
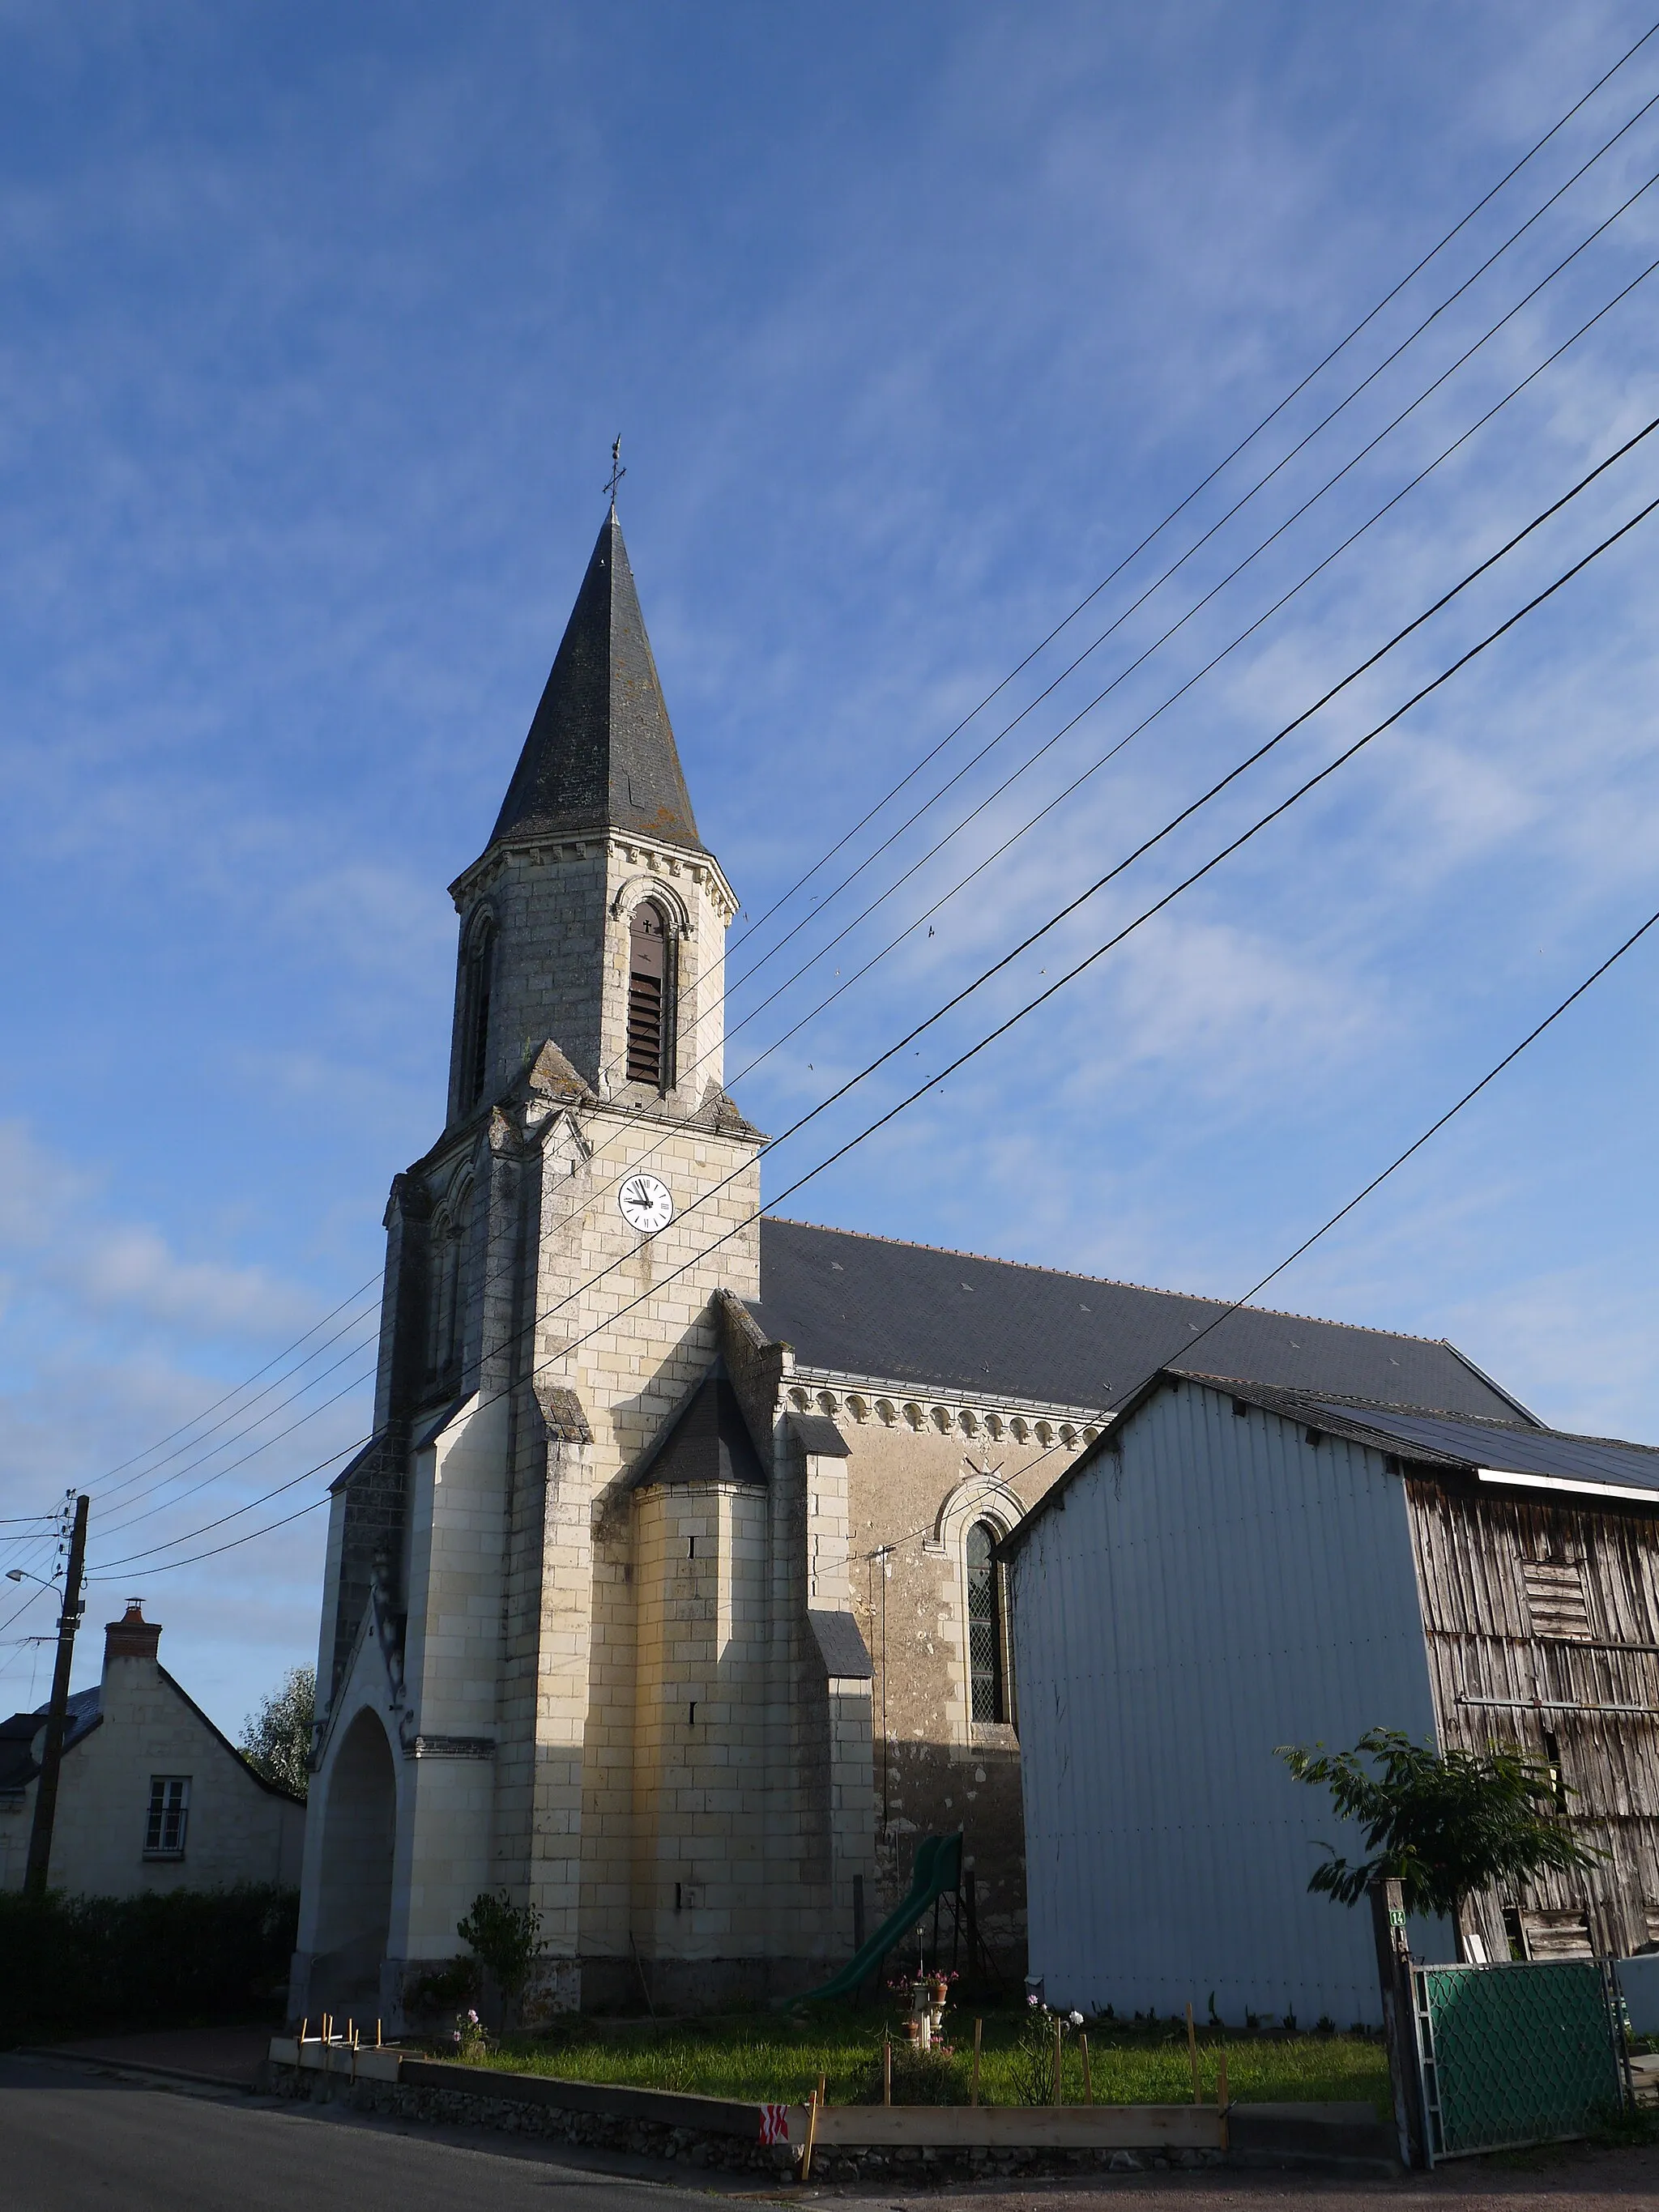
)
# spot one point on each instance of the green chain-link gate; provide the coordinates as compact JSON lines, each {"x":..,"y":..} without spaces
{"x":1515,"y":2054}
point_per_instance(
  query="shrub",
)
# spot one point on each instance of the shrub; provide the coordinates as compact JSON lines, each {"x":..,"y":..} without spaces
{"x":443,"y":1991}
{"x":505,"y":1937}
{"x":68,"y":1963}
{"x":919,"y":2077}
{"x":1447,"y":1824}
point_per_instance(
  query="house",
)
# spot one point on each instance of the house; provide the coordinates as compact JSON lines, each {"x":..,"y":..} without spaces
{"x":1232,"y":1568}
{"x":150,"y":1796}
{"x":663,"y":1595}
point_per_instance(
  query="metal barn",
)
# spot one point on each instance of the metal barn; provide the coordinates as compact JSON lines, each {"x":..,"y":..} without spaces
{"x":1229,"y":1569}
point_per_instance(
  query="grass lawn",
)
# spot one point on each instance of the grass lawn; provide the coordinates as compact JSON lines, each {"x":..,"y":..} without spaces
{"x":780,"y":2057}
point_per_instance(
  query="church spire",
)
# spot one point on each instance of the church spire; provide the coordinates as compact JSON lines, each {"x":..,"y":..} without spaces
{"x":600,"y":754}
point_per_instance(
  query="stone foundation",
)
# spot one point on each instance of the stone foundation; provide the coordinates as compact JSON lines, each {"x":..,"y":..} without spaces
{"x":629,"y":2128}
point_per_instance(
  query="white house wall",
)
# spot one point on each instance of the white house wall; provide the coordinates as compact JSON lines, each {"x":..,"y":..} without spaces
{"x":1221,"y":1589}
{"x":237,"y":1830}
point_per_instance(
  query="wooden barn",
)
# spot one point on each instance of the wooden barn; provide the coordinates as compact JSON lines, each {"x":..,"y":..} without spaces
{"x":1232,"y":1568}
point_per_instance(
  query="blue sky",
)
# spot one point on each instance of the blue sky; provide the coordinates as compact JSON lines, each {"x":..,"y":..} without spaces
{"x":916,"y":321}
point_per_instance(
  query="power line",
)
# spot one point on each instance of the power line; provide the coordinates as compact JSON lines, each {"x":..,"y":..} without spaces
{"x":990,"y":860}
{"x":131,"y":1558}
{"x":1041,"y":998}
{"x":1205,"y":482}
{"x":1417,"y":1143}
{"x":1508,"y":316}
{"x":322,"y":1407}
{"x":1347,"y":466}
{"x":1342,"y":344}
{"x":1169,"y":700}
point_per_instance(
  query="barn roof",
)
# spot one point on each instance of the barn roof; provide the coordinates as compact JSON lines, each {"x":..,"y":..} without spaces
{"x":1530,"y":1456}
{"x":951,"y":1321}
{"x":1508,"y":1454}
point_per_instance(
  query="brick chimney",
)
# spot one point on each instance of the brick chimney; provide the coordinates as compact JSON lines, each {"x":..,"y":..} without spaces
{"x":132,"y":1636}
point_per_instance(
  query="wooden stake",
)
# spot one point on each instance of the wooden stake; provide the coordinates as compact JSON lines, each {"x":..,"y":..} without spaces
{"x":979,"y":2038}
{"x":811,"y":2137}
{"x":1088,"y":2080}
{"x":304,"y":2024}
{"x":1060,"y":2079}
{"x":377,"y":2035}
{"x":887,"y":2070}
{"x":823,"y":2087}
{"x":1221,"y":2098}
{"x":1192,"y":2058}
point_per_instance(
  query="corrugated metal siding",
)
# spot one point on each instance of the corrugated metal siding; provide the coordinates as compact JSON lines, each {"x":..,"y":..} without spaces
{"x":1223,"y":1588}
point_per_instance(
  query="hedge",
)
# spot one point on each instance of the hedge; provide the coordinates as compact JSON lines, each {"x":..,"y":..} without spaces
{"x":79,"y":1963}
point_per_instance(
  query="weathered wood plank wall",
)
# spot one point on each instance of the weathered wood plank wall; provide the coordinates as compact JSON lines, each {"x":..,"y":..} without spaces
{"x":1542,"y":1626}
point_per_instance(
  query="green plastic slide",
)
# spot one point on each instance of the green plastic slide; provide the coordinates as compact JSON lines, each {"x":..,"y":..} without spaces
{"x":937,"y":1873}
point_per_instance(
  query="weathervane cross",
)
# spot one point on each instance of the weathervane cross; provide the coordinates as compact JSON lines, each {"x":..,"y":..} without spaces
{"x":618,"y":471}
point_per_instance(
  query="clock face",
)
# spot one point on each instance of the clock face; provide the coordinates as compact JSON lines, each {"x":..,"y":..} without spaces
{"x":644,"y":1202}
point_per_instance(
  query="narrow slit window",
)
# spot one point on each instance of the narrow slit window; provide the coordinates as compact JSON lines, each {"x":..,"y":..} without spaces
{"x":475,"y":1029}
{"x":648,"y":997}
{"x":985,"y":1669}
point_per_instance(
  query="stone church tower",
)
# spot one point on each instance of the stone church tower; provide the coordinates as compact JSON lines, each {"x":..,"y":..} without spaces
{"x":585,"y":1627}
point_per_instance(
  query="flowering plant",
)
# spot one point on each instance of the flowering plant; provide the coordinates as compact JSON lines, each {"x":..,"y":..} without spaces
{"x":468,"y":2036}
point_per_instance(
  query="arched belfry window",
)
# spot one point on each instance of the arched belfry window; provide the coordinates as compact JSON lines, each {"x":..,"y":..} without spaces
{"x":648,"y":962}
{"x":475,"y":1013}
{"x":986,"y":1675}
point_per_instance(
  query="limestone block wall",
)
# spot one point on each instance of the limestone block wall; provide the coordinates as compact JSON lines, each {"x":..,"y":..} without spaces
{"x":623,"y":1325}
{"x":239,"y":1829}
{"x":701,"y":1798}
{"x":452,"y":1663}
{"x":920,"y":1473}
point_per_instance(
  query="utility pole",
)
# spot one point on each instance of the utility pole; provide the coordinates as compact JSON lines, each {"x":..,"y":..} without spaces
{"x":45,"y":1795}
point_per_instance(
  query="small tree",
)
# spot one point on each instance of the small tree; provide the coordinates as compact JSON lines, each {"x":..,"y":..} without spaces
{"x":1447,"y":1824}
{"x":277,"y":1735}
{"x":505,"y":1937}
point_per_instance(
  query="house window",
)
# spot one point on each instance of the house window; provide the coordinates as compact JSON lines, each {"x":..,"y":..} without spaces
{"x":169,"y":1816}
{"x":986,"y":1671}
{"x":648,"y":997}
{"x":475,"y":1014}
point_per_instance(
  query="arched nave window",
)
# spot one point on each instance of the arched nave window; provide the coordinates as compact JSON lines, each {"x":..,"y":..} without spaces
{"x":986,"y":1670}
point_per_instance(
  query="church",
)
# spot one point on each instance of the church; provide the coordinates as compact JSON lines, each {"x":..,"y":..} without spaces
{"x":667,"y":1595}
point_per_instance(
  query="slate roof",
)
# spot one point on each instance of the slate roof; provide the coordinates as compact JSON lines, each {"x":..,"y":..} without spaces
{"x":18,"y":1766}
{"x":840,"y":1646}
{"x":601,"y":753}
{"x":705,"y":1439}
{"x":954,"y":1322}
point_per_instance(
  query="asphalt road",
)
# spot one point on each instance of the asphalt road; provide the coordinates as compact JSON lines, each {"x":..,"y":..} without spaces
{"x":72,"y":2140}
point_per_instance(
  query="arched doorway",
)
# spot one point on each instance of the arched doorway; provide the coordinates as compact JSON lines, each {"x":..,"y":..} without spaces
{"x":359,"y":1829}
